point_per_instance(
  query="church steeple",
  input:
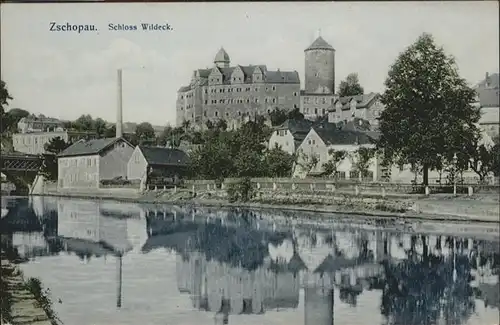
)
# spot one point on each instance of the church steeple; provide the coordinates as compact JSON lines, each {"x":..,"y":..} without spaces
{"x":222,"y":59}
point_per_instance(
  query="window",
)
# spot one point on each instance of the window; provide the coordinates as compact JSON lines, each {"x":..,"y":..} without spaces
{"x":309,"y":141}
{"x":316,"y":110}
{"x":206,"y":101}
{"x":313,"y":141}
{"x":295,"y":106}
{"x":256,"y":100}
{"x":295,"y":93}
{"x":248,"y":100}
{"x":256,"y":89}
{"x":182,"y":97}
{"x":216,"y":113}
{"x":324,"y":100}
{"x":323,"y":111}
{"x":274,"y":100}
{"x":274,"y":88}
{"x":354,"y":174}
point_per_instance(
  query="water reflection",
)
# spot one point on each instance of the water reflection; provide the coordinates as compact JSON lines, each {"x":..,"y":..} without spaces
{"x":232,"y":263}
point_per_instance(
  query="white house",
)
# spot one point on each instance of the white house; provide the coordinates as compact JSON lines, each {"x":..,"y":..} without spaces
{"x":289,"y":135}
{"x":321,"y":140}
{"x":86,"y":163}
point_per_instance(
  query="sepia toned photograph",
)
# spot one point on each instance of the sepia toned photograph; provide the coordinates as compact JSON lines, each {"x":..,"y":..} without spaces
{"x":278,"y":163}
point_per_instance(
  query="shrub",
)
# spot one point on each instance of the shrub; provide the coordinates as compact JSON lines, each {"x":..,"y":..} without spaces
{"x":241,"y":191}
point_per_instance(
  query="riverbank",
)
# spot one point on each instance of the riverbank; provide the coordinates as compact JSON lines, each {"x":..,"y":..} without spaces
{"x":479,"y":208}
{"x":23,"y":301}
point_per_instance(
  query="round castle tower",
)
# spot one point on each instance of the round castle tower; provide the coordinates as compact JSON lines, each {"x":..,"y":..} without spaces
{"x":319,"y":68}
{"x":222,"y":59}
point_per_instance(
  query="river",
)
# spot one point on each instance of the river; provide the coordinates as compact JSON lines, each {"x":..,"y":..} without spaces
{"x":108,"y":262}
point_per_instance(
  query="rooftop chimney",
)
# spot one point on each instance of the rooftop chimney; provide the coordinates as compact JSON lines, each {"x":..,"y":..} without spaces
{"x":119,"y":109}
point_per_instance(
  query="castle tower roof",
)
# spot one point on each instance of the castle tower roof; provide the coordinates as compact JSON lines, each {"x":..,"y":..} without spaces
{"x":320,"y":44}
{"x":221,"y":56}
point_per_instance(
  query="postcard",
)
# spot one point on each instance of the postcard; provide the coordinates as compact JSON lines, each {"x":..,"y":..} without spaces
{"x":298,"y":163}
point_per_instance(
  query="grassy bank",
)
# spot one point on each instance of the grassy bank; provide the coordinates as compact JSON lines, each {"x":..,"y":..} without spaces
{"x":366,"y":204}
{"x":23,"y":301}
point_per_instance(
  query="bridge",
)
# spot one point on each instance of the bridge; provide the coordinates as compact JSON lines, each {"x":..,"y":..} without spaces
{"x":20,"y":169}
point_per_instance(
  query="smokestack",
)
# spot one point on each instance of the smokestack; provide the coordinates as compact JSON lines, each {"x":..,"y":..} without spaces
{"x":119,"y":109}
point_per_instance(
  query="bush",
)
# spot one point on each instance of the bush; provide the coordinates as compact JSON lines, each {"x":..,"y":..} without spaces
{"x":242,"y":190}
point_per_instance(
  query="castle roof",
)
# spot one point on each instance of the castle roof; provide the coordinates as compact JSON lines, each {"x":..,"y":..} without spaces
{"x":362,"y":101}
{"x":222,"y":56}
{"x":320,"y":44}
{"x":272,"y":77}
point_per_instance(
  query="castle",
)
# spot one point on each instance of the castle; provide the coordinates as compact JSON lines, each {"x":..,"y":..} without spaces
{"x":239,"y":93}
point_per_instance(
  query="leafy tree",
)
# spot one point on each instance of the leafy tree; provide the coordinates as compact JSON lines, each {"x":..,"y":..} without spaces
{"x":145,"y":133}
{"x":49,"y":165}
{"x":362,"y":161}
{"x":99,"y":126}
{"x":350,"y":86}
{"x":307,"y":162}
{"x":279,"y":163}
{"x":336,"y":157}
{"x":5,"y":96}
{"x":295,"y":114}
{"x":428,"y":108}
{"x":278,"y":116}
{"x":221,"y":125}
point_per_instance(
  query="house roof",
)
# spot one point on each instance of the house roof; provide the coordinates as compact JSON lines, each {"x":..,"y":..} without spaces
{"x":320,"y":44}
{"x":164,"y":156}
{"x":491,"y":81}
{"x":90,"y":147}
{"x":362,"y":101}
{"x":332,"y":136}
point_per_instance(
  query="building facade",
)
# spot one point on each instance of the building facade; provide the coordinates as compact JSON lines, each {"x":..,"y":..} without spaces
{"x":319,"y":142}
{"x":236,"y":93}
{"x":34,"y":142}
{"x":86,"y":163}
{"x":289,"y":135}
{"x":157,"y":162}
{"x":39,"y":124}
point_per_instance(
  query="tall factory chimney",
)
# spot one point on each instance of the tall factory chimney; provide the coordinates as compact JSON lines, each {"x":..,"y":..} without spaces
{"x":119,"y":109}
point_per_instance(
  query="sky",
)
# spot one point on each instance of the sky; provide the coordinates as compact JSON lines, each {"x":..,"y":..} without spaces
{"x":67,"y":74}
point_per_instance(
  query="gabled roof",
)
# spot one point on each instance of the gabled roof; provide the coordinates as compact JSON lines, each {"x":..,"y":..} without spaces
{"x":164,"y":156}
{"x":491,"y":81}
{"x":273,"y":77}
{"x":362,"y":101}
{"x":90,"y":147}
{"x":332,"y":136}
{"x":320,"y":44}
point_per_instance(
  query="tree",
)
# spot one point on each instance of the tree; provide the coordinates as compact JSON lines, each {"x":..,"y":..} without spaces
{"x":5,"y":96}
{"x":278,"y":116}
{"x":336,"y":157}
{"x":362,"y":161}
{"x":49,"y":165}
{"x":350,"y":86}
{"x":100,"y":128}
{"x":295,"y":114}
{"x":145,"y":133}
{"x":307,"y":162}
{"x":428,"y":108}
{"x":279,"y":163}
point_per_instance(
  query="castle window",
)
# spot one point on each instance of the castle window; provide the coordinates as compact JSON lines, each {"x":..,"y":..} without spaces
{"x":221,"y":101}
{"x":221,"y":90}
{"x":295,"y":106}
{"x":256,"y":100}
{"x":216,"y":113}
{"x":227,"y":114}
{"x":274,"y":88}
{"x":256,"y":89}
{"x":316,"y":111}
{"x":324,"y":100}
{"x":323,"y":111}
{"x":265,"y":100}
{"x":247,"y":89}
{"x":295,"y":93}
{"x":206,"y":101}
{"x":248,"y":100}
{"x":274,"y":100}
{"x":206,"y":91}
{"x":182,"y":97}
{"x":205,"y":113}
{"x":239,"y":113}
